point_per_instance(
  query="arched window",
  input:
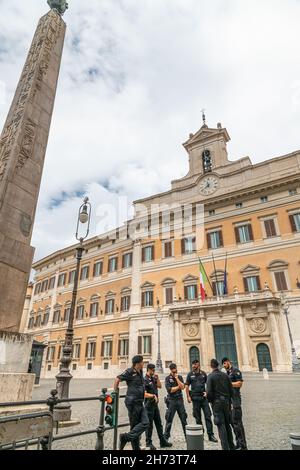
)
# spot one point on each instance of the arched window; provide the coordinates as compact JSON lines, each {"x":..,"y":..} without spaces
{"x":194,"y":354}
{"x":264,"y":357}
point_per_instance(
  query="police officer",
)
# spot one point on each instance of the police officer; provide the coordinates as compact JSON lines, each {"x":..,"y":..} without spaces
{"x":196,"y":380}
{"x":174,"y":385}
{"x":220,"y":393}
{"x":236,"y":378}
{"x":152,"y":384}
{"x":134,"y":402}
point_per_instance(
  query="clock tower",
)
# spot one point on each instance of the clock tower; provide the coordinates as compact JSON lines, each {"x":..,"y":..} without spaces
{"x":207,"y":150}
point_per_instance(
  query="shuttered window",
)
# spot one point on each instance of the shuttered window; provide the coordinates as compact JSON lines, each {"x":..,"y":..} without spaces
{"x":295,"y":222}
{"x":148,"y":254}
{"x":94,"y":308}
{"x":80,"y":312}
{"x":127,"y":261}
{"x":270,"y":228}
{"x":98,"y":268}
{"x":188,"y":245}
{"x":252,"y":284}
{"x":244,"y":233}
{"x":281,"y":281}
{"x":168,"y":248}
{"x":113,"y":265}
{"x":145,"y":345}
{"x":147,"y":298}
{"x":85,"y":273}
{"x":169,"y":295}
{"x":123,"y":347}
{"x":125,"y":303}
{"x":110,"y":306}
{"x":215,"y":240}
{"x":107,"y":348}
{"x":191,"y":292}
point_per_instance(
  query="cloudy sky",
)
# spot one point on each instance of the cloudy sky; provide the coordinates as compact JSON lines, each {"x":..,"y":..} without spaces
{"x":135,"y":75}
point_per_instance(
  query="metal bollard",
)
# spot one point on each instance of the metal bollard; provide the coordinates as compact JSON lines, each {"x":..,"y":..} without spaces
{"x":194,"y":437}
{"x":295,"y":441}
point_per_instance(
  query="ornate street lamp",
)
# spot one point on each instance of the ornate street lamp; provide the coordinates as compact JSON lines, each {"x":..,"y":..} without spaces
{"x":295,"y":360}
{"x":159,"y":317}
{"x":63,"y":410}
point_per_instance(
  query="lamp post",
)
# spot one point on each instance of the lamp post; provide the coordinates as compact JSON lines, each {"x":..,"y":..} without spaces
{"x":63,"y":410}
{"x":159,"y":317}
{"x":295,"y":360}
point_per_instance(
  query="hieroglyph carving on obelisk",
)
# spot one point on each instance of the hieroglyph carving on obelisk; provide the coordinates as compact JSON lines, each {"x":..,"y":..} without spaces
{"x":23,"y":146}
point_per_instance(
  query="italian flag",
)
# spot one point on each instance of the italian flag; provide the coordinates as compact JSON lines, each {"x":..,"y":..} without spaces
{"x":203,"y":280}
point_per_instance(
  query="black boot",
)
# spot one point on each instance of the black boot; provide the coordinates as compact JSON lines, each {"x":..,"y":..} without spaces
{"x":212,"y":438}
{"x":122,"y":441}
{"x":164,"y":444}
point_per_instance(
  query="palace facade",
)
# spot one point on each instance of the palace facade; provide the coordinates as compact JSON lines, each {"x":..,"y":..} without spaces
{"x":250,"y":228}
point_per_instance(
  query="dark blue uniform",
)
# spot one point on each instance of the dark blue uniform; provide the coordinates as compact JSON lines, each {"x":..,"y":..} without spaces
{"x":197,"y":381}
{"x":220,"y":394}
{"x":175,"y":404}
{"x":235,"y":375}
{"x":134,"y":402}
{"x":153,"y":411}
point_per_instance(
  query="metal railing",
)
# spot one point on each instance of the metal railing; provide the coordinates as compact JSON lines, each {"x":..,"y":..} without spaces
{"x":45,"y":442}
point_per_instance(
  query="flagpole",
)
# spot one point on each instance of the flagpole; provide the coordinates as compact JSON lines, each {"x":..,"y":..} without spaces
{"x":200,"y":262}
{"x":225,"y":275}
{"x":217,"y":287}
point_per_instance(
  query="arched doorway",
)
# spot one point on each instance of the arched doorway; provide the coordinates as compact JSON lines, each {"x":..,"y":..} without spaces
{"x":264,"y":357}
{"x":194,"y":354}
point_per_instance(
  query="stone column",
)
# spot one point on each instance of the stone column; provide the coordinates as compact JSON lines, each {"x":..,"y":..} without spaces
{"x":204,"y":346}
{"x":23,"y":144}
{"x":244,"y":339}
{"x":279,"y":365}
{"x":177,"y":337}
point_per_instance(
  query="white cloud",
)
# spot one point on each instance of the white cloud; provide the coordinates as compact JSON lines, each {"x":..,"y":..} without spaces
{"x":134,"y":78}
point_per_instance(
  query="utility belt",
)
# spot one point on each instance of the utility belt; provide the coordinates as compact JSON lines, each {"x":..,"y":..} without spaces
{"x":197,"y":395}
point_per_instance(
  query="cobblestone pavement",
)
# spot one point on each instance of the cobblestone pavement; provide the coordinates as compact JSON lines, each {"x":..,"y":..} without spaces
{"x":271,"y":411}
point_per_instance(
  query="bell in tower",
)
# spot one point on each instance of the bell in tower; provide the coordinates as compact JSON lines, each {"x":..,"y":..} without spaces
{"x":207,"y":161}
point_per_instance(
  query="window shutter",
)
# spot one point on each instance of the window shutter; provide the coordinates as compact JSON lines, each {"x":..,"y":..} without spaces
{"x":208,"y":241}
{"x":214,"y":288}
{"x":237,"y":234}
{"x":169,"y":295}
{"x":131,"y":259}
{"x":119,"y":348}
{"x":102,"y":348}
{"x":94,"y":349}
{"x":293,"y":223}
{"x":186,"y":293}
{"x":86,"y":349}
{"x":151,"y":298}
{"x":106,"y":306}
{"x":196,"y":291}
{"x":152,"y":252}
{"x":143,"y":255}
{"x":150,"y":344}
{"x":168,"y":249}
{"x":194,"y":244}
{"x":258,"y":283}
{"x":123,"y":261}
{"x":281,"y":281}
{"x":143,"y":299}
{"x":246,"y":284}
{"x":122,"y":304}
{"x":221,"y":238}
{"x":117,"y":262}
{"x":183,"y":246}
{"x":251,"y":232}
{"x":140,"y":345}
{"x":113,"y":306}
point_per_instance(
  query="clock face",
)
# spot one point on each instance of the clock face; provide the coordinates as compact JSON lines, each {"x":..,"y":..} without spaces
{"x":209,"y":185}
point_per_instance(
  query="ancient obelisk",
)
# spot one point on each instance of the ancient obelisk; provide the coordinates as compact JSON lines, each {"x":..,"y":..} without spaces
{"x":23,"y":146}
